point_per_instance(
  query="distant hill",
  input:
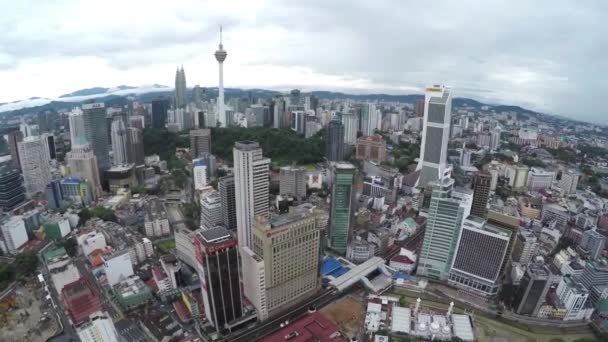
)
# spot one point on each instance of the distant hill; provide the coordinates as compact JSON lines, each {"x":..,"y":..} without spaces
{"x":117,"y":96}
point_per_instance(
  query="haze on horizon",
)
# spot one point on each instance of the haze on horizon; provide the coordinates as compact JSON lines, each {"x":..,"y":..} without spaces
{"x":549,"y":57}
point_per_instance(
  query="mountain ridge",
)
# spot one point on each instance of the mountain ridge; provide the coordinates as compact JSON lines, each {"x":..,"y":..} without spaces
{"x":118,"y":96}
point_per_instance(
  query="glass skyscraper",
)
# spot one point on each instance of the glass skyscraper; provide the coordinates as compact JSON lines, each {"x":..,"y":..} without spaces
{"x":443,"y":226}
{"x":96,"y":133}
{"x":341,"y":206}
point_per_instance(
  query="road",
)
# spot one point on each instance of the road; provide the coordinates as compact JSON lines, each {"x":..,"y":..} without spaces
{"x":68,"y":331}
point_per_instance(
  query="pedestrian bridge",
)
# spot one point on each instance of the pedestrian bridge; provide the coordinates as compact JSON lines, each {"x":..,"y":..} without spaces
{"x":361,"y":272}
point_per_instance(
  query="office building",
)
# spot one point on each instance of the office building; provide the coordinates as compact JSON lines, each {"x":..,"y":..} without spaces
{"x":350,"y":122}
{"x":159,"y":112}
{"x":217,"y":255}
{"x":481,"y":194}
{"x":34,"y":159}
{"x":594,"y":274}
{"x":335,"y":141}
{"x":12,"y":191}
{"x":341,"y":212}
{"x":482,"y":249}
{"x":569,"y":181}
{"x":557,"y":213}
{"x":181,"y":91}
{"x":120,"y":143}
{"x":135,"y":144}
{"x":99,"y":328}
{"x":372,"y":148}
{"x":83,"y":164}
{"x":220,"y":56}
{"x":184,"y":245}
{"x":540,"y":179}
{"x":443,"y":226}
{"x":200,"y":173}
{"x":525,"y":247}
{"x":251,"y":183}
{"x":592,"y":244}
{"x":117,"y":266}
{"x":121,"y":177}
{"x":96,"y":132}
{"x":76,"y":122}
{"x":292,"y":181}
{"x":228,"y":198}
{"x":374,"y":186}
{"x":211,"y":210}
{"x":435,"y":135}
{"x":281,"y":268}
{"x":573,"y":297}
{"x":534,"y":287}
{"x":200,"y":142}
{"x":370,"y":119}
{"x":14,"y":234}
{"x":14,"y":137}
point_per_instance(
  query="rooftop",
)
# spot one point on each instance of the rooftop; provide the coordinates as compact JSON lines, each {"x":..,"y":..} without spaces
{"x":312,"y":327}
{"x":215,"y":235}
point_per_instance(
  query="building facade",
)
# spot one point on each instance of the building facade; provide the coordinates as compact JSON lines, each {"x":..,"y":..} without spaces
{"x":228,"y":198}
{"x":200,"y":142}
{"x":251,"y":172}
{"x":96,"y":133}
{"x":335,"y":141}
{"x":83,"y":165}
{"x":341,"y":211}
{"x":34,"y":159}
{"x":481,"y":194}
{"x":372,"y":148}
{"x":292,"y":181}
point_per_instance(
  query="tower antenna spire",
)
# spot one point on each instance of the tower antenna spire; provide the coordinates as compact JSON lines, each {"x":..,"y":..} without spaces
{"x":220,"y":36}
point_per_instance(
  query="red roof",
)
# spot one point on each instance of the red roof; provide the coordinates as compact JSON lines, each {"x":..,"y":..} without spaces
{"x":181,"y":310}
{"x":312,"y":327}
{"x":402,"y":259}
{"x":80,"y":300}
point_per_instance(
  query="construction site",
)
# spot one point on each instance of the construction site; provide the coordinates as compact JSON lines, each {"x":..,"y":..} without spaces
{"x":25,"y":315}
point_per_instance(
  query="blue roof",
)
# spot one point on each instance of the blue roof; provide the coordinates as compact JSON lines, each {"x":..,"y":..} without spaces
{"x":330,"y":265}
{"x":401,"y":275}
{"x":338,"y":272}
{"x":71,"y":181}
{"x":199,"y":162}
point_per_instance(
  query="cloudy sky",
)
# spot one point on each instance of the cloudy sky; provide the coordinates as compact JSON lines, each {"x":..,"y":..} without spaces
{"x":547,"y":56}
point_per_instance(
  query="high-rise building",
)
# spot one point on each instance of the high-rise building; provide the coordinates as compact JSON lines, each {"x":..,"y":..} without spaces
{"x":211,"y":210}
{"x":594,"y":274}
{"x":482,"y":249}
{"x":159,"y":112}
{"x":443,"y":226}
{"x":200,"y":173}
{"x":335,"y":141}
{"x":13,"y":234}
{"x":369,"y":120}
{"x":136,"y":146}
{"x":592,"y":244}
{"x":292,"y":181}
{"x":200,"y":142}
{"x":120,"y":142}
{"x":341,"y":211}
{"x":83,"y":164}
{"x":278,"y":111}
{"x":569,"y":181}
{"x":96,"y":133}
{"x":14,"y":137}
{"x":481,"y":194}
{"x":34,"y":157}
{"x":228,"y":198}
{"x":281,"y":267}
{"x":12,"y":192}
{"x":524,"y":248}
{"x":181,"y":99}
{"x":372,"y":148}
{"x":540,"y":179}
{"x":76,"y":123}
{"x":251,"y":172}
{"x":419,"y":108}
{"x":217,"y":255}
{"x":351,"y":126}
{"x":435,"y":135}
{"x":220,"y":56}
{"x":99,"y":328}
{"x":533,"y":289}
{"x":573,"y":296}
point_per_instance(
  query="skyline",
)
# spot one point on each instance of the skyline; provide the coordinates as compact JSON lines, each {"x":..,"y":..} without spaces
{"x":315,"y":46}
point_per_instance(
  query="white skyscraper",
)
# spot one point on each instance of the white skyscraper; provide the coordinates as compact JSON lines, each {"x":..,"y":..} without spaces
{"x":13,"y":234}
{"x":76,"y":122}
{"x":120,"y":140}
{"x":34,"y":157}
{"x":351,"y":126}
{"x":251,"y":187}
{"x":435,"y":135}
{"x":220,"y":56}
